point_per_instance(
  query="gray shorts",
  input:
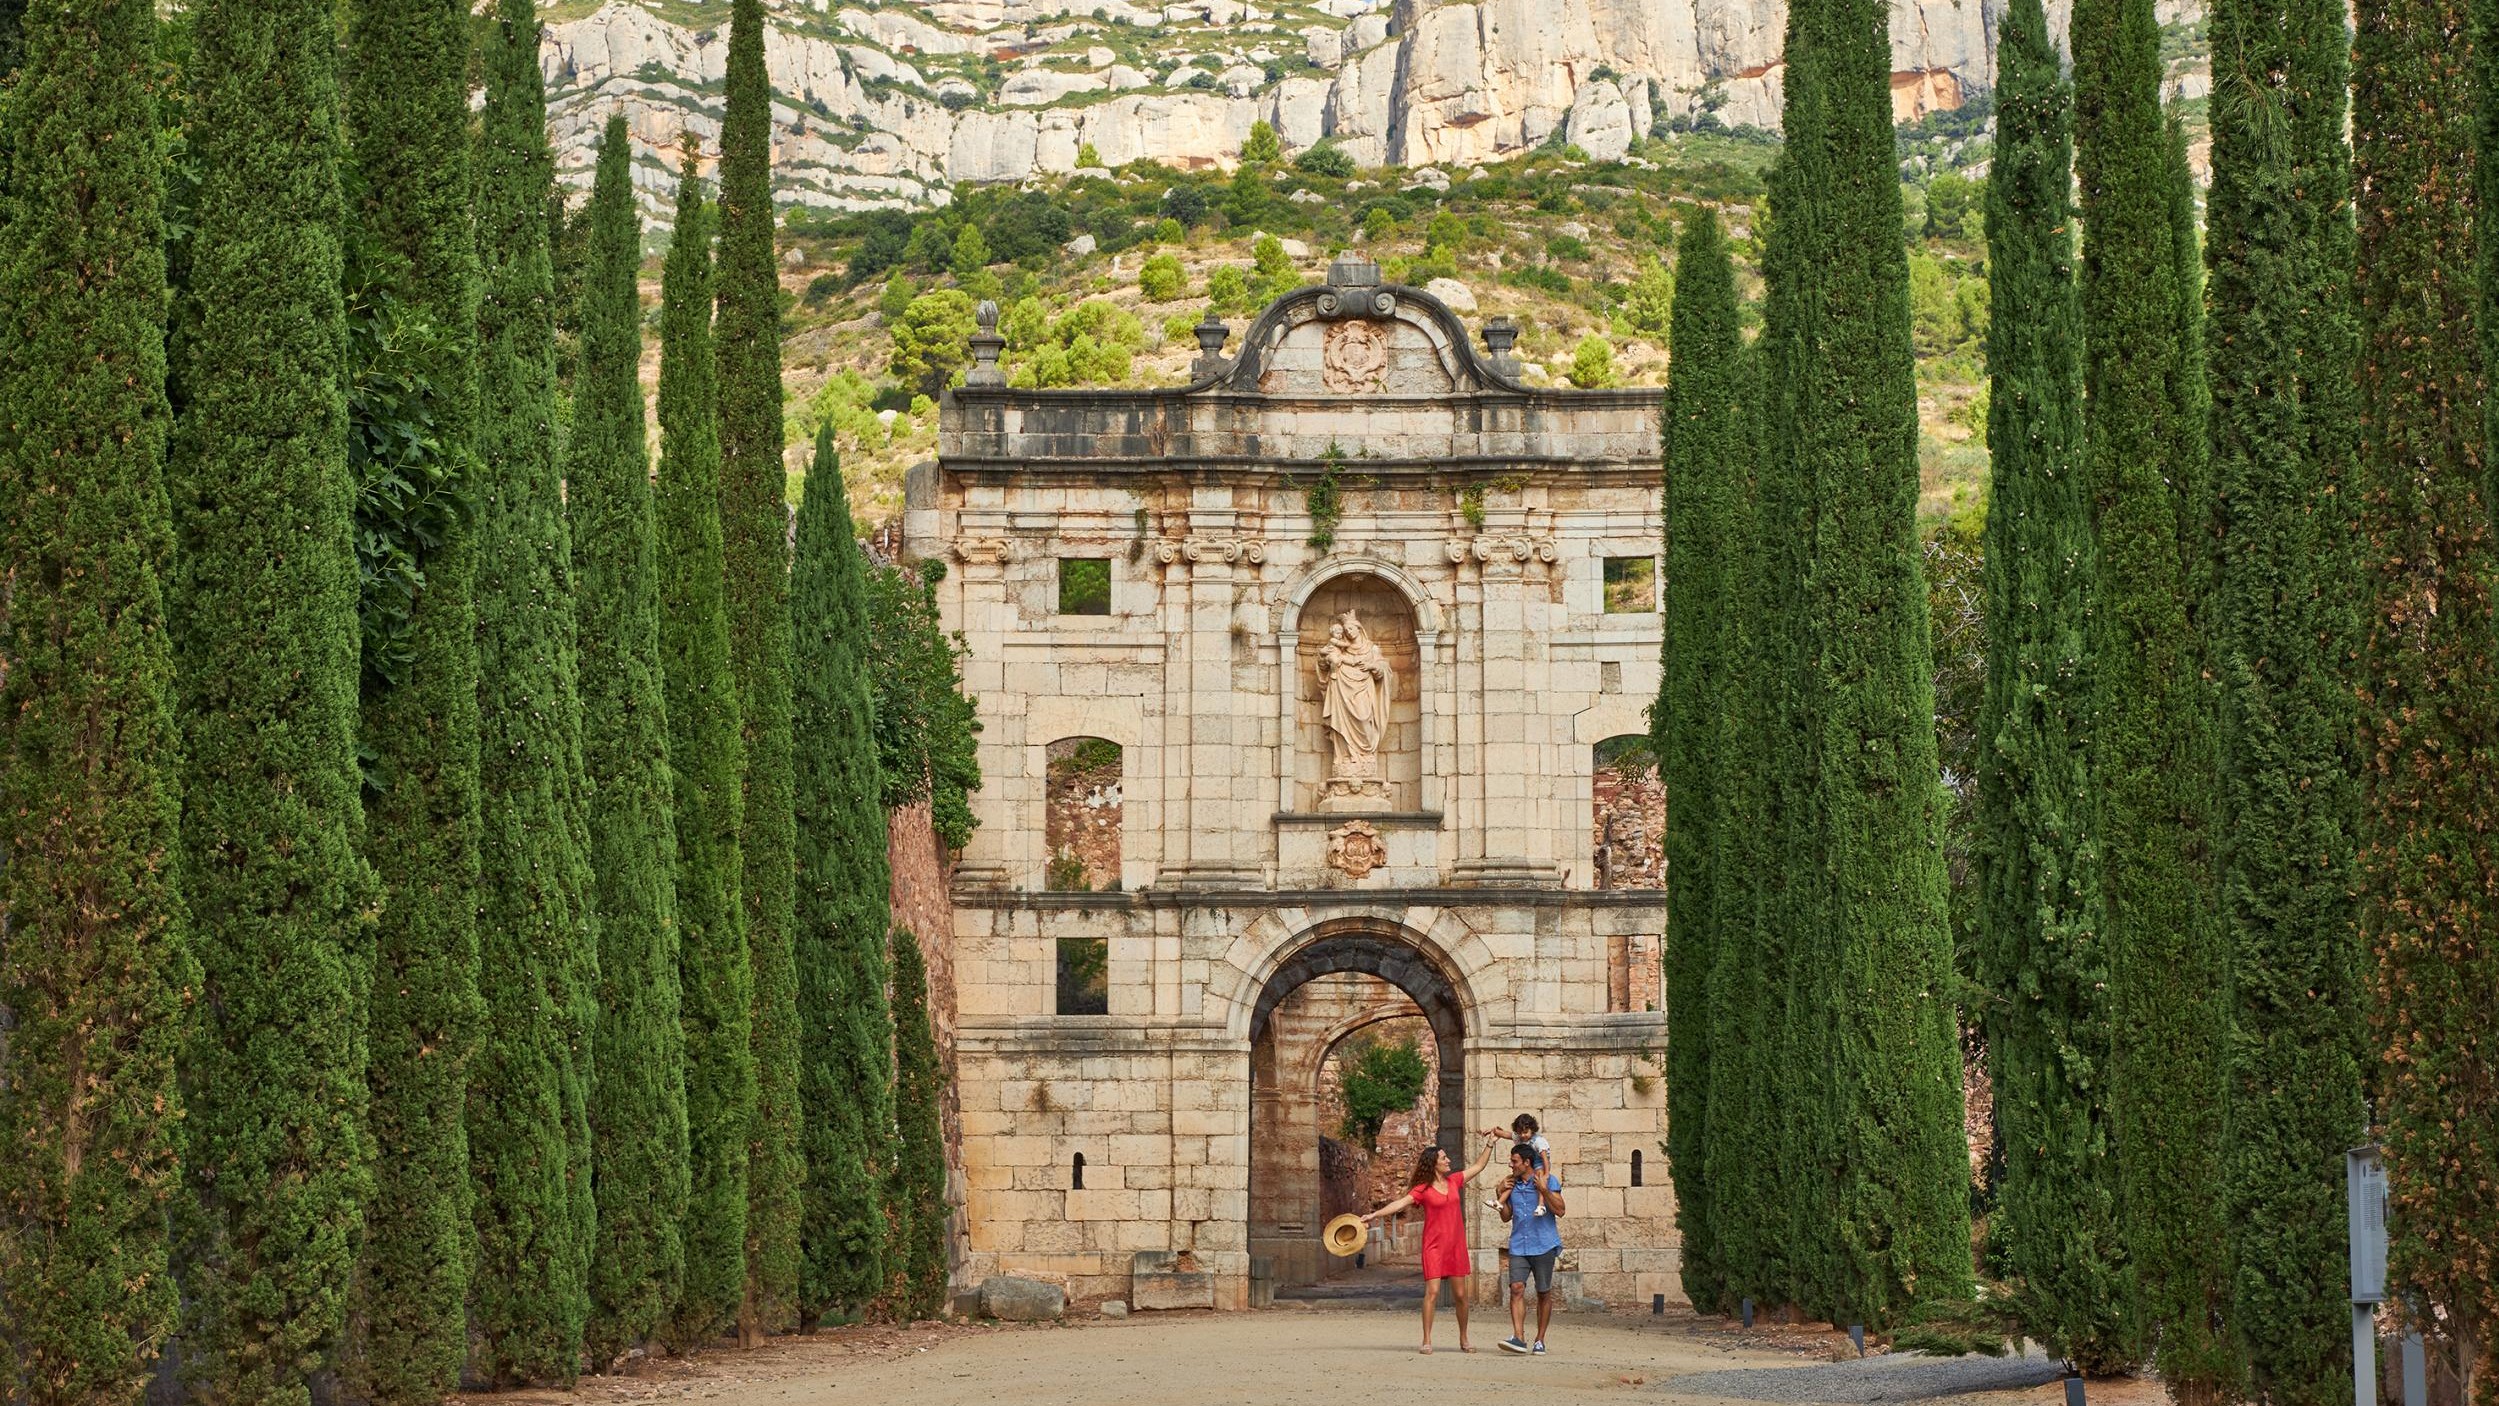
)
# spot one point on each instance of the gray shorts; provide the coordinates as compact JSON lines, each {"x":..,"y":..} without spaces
{"x":1539,"y":1265}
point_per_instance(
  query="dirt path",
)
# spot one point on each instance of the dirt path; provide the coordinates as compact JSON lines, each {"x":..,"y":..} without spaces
{"x":1284,"y":1355}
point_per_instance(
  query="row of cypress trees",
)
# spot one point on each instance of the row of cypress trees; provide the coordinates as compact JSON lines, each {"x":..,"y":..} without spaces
{"x":379,"y":981}
{"x":2238,"y":723}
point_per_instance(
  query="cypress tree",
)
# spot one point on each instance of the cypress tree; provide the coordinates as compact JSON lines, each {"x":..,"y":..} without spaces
{"x":755,"y":527}
{"x":846,"y":1046}
{"x":266,"y":635}
{"x":920,"y":1143}
{"x":2041,"y":959}
{"x":1880,"y":1199}
{"x":2150,"y":744}
{"x":706,"y":754}
{"x":2428,"y":857}
{"x":95,"y":973}
{"x":1708,"y":456}
{"x":529,"y":1132}
{"x":407,"y":110}
{"x":637,"y":1106}
{"x":2280,"y":632}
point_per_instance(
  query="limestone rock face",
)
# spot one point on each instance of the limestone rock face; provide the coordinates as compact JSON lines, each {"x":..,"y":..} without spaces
{"x":883,"y":106}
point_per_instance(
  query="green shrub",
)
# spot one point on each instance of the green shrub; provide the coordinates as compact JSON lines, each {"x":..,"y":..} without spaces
{"x":1262,"y":146}
{"x":1375,"y":1080}
{"x":1592,"y":365}
{"x":1228,"y":289}
{"x":1325,"y":159}
{"x":1162,"y":279}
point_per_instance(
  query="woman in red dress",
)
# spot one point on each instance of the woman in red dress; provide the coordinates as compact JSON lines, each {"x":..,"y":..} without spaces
{"x":1438,"y":1191}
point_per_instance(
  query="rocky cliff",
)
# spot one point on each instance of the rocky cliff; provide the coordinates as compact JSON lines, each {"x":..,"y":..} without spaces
{"x":892,"y":104}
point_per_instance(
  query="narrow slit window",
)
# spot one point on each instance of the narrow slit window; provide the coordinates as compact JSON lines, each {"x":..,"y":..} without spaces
{"x":1076,"y":1173}
{"x":1635,"y":1167}
{"x":1084,"y":585}
{"x":1630,"y":585}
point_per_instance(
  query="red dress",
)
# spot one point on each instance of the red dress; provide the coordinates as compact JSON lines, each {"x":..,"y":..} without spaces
{"x":1444,"y":1230}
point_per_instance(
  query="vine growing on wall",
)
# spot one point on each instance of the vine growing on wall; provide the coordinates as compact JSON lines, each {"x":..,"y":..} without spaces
{"x":1324,"y":500}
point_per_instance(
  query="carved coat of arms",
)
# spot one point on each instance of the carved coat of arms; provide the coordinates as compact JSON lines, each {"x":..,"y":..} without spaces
{"x":1355,"y":850}
{"x":1354,"y":356}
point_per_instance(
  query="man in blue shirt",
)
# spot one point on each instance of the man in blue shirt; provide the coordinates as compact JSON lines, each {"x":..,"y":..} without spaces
{"x":1531,"y":1201}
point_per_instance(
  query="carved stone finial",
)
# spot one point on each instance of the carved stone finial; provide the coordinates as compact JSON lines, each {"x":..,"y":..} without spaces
{"x":1501,"y":334}
{"x":986,"y":344}
{"x":1211,"y":336}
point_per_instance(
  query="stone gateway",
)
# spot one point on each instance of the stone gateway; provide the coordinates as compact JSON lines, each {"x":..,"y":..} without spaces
{"x":1374,"y":662}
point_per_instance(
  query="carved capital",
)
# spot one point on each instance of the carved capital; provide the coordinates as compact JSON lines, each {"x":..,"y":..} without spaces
{"x":1486,"y":547}
{"x":984,"y":551}
{"x":1234,"y":550}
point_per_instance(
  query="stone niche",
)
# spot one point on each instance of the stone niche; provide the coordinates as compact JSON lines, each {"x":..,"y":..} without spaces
{"x":1389,"y":619}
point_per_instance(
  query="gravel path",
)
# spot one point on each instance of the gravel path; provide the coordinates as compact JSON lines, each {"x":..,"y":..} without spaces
{"x":1900,"y":1377}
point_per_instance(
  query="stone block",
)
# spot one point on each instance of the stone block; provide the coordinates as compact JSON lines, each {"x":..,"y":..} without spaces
{"x":1163,"y":1279}
{"x":1013,"y":1299}
{"x":1114,"y":1308}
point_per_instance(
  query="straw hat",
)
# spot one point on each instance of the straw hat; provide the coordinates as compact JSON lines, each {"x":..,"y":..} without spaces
{"x":1345,"y":1235}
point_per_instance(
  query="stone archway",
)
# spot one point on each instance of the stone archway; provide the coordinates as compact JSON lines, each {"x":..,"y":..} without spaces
{"x":1302,"y":1012}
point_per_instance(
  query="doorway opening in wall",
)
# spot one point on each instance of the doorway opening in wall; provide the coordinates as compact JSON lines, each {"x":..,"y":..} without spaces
{"x":1356,"y":1067}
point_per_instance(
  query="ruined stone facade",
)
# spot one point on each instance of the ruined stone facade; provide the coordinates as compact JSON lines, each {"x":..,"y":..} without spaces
{"x":1358,"y":662}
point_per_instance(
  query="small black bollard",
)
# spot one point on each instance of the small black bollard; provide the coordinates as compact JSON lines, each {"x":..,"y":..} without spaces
{"x":2074,"y":1390}
{"x":1657,"y":1305}
{"x":1748,"y":1313}
{"x":1857,"y":1336}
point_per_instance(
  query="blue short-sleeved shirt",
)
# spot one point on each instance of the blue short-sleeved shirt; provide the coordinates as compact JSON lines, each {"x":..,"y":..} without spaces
{"x":1532,"y":1234}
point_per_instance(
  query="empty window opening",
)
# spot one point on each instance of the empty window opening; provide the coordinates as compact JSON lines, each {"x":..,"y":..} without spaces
{"x":1081,"y":825}
{"x":1630,"y":585}
{"x":1084,"y":986}
{"x":1076,"y":1173}
{"x":1633,"y":976}
{"x":1084,"y":585}
{"x":1629,"y":815}
{"x":1635,"y":1167}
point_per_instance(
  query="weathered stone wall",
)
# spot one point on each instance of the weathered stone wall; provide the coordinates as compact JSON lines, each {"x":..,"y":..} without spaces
{"x":1484,"y":513}
{"x":923,"y":906}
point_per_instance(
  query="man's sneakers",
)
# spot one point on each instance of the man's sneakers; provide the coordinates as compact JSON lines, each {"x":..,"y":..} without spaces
{"x":1515,"y":1345}
{"x":1540,"y":1347}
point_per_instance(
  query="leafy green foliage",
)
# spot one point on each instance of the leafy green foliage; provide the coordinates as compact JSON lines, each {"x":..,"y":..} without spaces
{"x":528,"y":1111}
{"x":932,"y":342}
{"x":707,"y":755}
{"x":2041,"y":963}
{"x":2429,"y":832}
{"x":1162,"y":279}
{"x":1592,"y":363}
{"x":926,"y":728}
{"x":1697,"y":731}
{"x":845,"y":1042}
{"x":1375,"y":1079}
{"x":918,"y":1250}
{"x":639,"y":1154}
{"x":95,"y":974}
{"x":1952,"y":199}
{"x":1324,"y":158}
{"x":1228,"y":289}
{"x":1261,"y":147}
{"x":281,"y":903}
{"x":1648,"y":306}
{"x":412,"y":318}
{"x":755,"y":524}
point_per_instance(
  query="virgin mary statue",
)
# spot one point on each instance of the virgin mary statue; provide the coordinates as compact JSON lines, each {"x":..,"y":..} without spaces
{"x":1354,"y":703}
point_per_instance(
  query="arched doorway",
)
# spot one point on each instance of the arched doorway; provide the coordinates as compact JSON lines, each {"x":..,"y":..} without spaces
{"x":1342,"y":981}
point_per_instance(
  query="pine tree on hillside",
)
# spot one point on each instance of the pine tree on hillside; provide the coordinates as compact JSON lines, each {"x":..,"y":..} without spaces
{"x":2042,"y":961}
{"x":637,"y":1106}
{"x":1708,"y":453}
{"x":2428,"y":862}
{"x":407,"y":113}
{"x":281,"y":902}
{"x":1881,"y":1200}
{"x":755,"y":527}
{"x":920,"y":1080}
{"x":95,"y":974}
{"x":706,"y":756}
{"x":2281,"y":634}
{"x":845,"y":888}
{"x":529,"y":1088}
{"x":2151,"y":761}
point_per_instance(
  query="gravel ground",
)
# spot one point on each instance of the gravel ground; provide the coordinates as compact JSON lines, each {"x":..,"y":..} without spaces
{"x":1906,"y":1376}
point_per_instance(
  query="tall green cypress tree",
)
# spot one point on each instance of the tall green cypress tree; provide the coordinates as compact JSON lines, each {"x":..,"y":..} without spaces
{"x":637,"y":1106}
{"x":920,"y":1080}
{"x":2041,"y":955}
{"x":2429,"y":833}
{"x":1708,"y":453}
{"x":281,"y":902}
{"x":706,"y":755}
{"x":1881,"y":1198}
{"x":2280,"y":631}
{"x":407,"y":112}
{"x":846,"y":1045}
{"x":95,"y":974}
{"x":529,"y":1131}
{"x":2151,"y":759}
{"x":755,"y":527}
